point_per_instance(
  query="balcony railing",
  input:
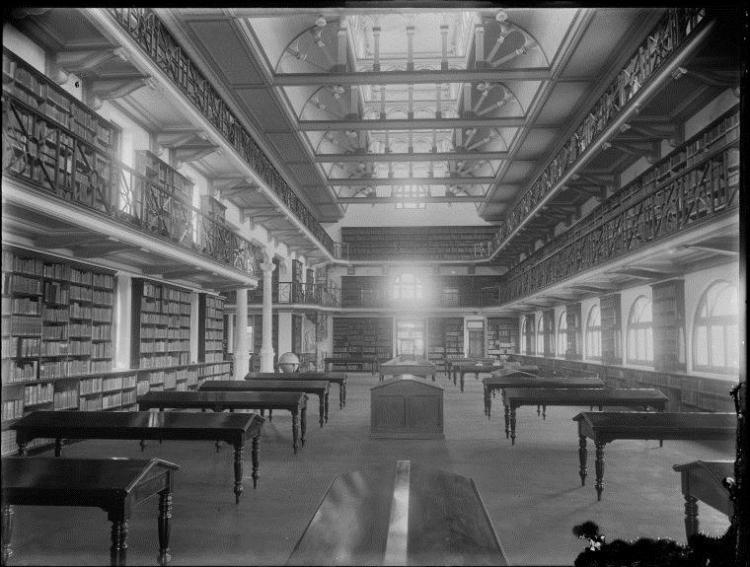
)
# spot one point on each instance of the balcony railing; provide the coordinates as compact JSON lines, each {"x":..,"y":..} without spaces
{"x":374,"y":299}
{"x":151,"y":35}
{"x":289,"y":293}
{"x":40,"y":150}
{"x":667,"y":37}
{"x":695,"y":184}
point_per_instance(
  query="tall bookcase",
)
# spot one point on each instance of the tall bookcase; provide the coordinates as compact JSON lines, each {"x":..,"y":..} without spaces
{"x":502,"y":335}
{"x":160,"y":325}
{"x":363,"y":336}
{"x":445,"y":338}
{"x":668,"y":308}
{"x":210,"y":328}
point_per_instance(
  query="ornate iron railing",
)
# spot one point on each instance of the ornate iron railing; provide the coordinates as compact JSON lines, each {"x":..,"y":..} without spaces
{"x":695,"y":184}
{"x":288,"y":293}
{"x":667,"y":37}
{"x":151,"y":35}
{"x":40,"y":150}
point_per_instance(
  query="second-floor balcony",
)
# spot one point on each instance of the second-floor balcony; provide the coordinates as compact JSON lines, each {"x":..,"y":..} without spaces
{"x":295,"y":293}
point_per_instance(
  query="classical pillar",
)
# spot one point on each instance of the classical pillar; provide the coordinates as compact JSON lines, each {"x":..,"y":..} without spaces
{"x":479,"y":45}
{"x":409,"y":48}
{"x":266,"y":349}
{"x":376,"y":48}
{"x":241,"y":343}
{"x":444,"y":47}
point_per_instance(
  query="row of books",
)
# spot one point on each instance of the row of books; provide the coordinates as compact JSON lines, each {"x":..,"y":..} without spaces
{"x":38,"y":394}
{"x":66,"y":399}
{"x":159,"y":360}
{"x":215,"y":323}
{"x":164,"y":346}
{"x":164,"y":333}
{"x":56,"y":292}
{"x":21,"y":347}
{"x":17,"y":283}
{"x":31,"y":266}
{"x":12,"y":409}
{"x":21,"y":306}
{"x":56,"y":315}
{"x":13,"y":371}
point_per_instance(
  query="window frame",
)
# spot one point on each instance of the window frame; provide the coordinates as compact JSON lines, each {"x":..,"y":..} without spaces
{"x":593,"y":334}
{"x":639,"y":335}
{"x":710,"y":322}
{"x":562,"y":332}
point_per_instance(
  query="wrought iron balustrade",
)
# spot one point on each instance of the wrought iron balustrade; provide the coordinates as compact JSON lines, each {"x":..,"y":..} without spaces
{"x":667,"y":37}
{"x":150,"y":33}
{"x":51,"y":157}
{"x":288,"y":293}
{"x":695,"y":184}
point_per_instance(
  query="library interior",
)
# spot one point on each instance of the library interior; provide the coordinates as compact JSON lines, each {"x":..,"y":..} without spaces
{"x":266,"y":270}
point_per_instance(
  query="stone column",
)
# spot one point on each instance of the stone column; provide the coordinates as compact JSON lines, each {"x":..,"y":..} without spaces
{"x":241,"y":343}
{"x":266,"y":349}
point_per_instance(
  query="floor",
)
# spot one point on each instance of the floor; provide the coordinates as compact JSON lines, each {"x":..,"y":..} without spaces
{"x":531,"y":490}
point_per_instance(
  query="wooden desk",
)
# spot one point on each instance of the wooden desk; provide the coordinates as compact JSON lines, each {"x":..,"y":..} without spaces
{"x":463,"y":368}
{"x":516,"y":379}
{"x":412,"y":366}
{"x":294,"y":402}
{"x":604,"y":427}
{"x":411,"y":516}
{"x":360,"y":361}
{"x":114,"y":485}
{"x":316,"y":387}
{"x":514,"y":398}
{"x":702,"y":480}
{"x":452,"y":363}
{"x":172,"y":426}
{"x":339,"y":378}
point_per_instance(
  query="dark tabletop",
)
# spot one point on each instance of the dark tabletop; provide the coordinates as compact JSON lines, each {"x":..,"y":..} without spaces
{"x":584,"y":395}
{"x":523,"y":380}
{"x":226,"y":398}
{"x":331,"y":376}
{"x":659,"y":425}
{"x":254,"y":384}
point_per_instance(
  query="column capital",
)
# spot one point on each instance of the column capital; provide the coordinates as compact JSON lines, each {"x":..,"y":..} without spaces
{"x":267,"y":266}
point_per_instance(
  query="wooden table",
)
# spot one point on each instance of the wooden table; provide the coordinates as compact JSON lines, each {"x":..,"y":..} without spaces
{"x":294,"y":402}
{"x":172,"y":426}
{"x":514,"y":398}
{"x":317,"y":387}
{"x":452,"y":363}
{"x":703,"y":480}
{"x":604,"y":427}
{"x":462,"y":368}
{"x":114,"y":485}
{"x":411,"y":516}
{"x":401,"y":366}
{"x":339,"y":378}
{"x":517,"y":379}
{"x":361,"y":361}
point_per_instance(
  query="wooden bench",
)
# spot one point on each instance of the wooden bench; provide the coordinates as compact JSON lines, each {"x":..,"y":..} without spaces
{"x":171,"y":426}
{"x":339,"y":378}
{"x":114,"y":485}
{"x":417,"y":516}
{"x":317,"y":387}
{"x":294,"y":402}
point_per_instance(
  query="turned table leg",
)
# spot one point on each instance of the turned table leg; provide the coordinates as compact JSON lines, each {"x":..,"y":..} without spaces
{"x":544,"y":411}
{"x":512,"y":425}
{"x":599,"y":463}
{"x":507,"y":421}
{"x":58,"y":446}
{"x":487,"y":402}
{"x":165,"y":514}
{"x":237,"y":472}
{"x":582,"y":458}
{"x":7,"y":532}
{"x":119,"y":537}
{"x":321,"y":410}
{"x":295,"y":427}
{"x":691,"y":515}
{"x":462,"y":381}
{"x":303,"y":424}
{"x":255,"y":459}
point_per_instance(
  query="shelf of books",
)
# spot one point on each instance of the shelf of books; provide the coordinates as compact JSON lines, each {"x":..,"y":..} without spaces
{"x":502,"y":336}
{"x":210,"y":328}
{"x":363,"y":336}
{"x":445,"y":339}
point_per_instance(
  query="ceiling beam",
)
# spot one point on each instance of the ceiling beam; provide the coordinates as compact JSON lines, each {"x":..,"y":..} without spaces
{"x":713,"y":248}
{"x":382,"y":200}
{"x":415,"y":123}
{"x":387,"y":181}
{"x":406,"y":157}
{"x":412,"y":77}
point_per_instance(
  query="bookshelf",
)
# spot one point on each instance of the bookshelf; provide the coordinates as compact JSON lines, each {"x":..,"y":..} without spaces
{"x":668,"y":310}
{"x":502,"y":335}
{"x":160,"y":325}
{"x":363,"y":336}
{"x":164,"y":176}
{"x":210,"y":328}
{"x":445,"y":338}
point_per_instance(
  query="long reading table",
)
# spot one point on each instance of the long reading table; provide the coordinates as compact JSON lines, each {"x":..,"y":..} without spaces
{"x":361,"y":362}
{"x":294,"y":402}
{"x":451,"y":364}
{"x":604,"y":427}
{"x":411,"y":516}
{"x":703,"y":480}
{"x":462,"y":368}
{"x":171,"y":426}
{"x":400,"y":366}
{"x":514,"y":398}
{"x":114,"y":485}
{"x":317,"y":387}
{"x":339,"y":378}
{"x":517,"y":379}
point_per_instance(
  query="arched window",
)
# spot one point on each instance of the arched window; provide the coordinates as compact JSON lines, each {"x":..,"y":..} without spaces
{"x":523,"y":335}
{"x":562,"y":334}
{"x":640,"y":332}
{"x":540,"y":336}
{"x":715,"y":330}
{"x":593,"y":346}
{"x":407,"y":287}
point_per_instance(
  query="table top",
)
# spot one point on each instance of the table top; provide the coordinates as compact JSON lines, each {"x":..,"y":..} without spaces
{"x":350,"y":359}
{"x":716,"y":469}
{"x":121,"y":421}
{"x":523,"y":380}
{"x":583,"y":395}
{"x":476,"y":366}
{"x":462,"y":361}
{"x":282,"y":385}
{"x":330,"y":376}
{"x":224,"y":398}
{"x":53,"y":473}
{"x":446,"y":525}
{"x":704,"y":480}
{"x":657,"y":425}
{"x":407,"y":363}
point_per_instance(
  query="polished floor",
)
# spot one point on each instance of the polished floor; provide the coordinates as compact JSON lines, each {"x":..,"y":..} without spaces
{"x":531,"y":490}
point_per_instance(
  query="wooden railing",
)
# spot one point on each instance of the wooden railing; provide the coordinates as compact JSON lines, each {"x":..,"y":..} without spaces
{"x":151,"y":35}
